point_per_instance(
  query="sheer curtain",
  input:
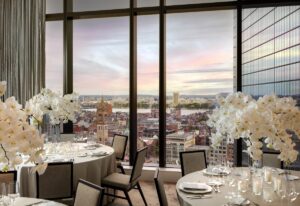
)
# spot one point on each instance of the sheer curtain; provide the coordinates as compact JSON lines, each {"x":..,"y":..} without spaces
{"x":22,"y":47}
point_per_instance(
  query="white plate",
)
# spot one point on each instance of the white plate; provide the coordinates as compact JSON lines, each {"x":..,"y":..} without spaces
{"x":215,"y":173}
{"x":208,"y":190}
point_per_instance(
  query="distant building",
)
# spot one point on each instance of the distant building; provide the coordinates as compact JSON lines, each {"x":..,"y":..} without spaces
{"x":225,"y":152}
{"x":104,"y":110}
{"x":178,"y":142}
{"x":175,"y":99}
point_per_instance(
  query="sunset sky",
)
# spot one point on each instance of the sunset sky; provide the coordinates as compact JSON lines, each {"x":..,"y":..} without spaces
{"x":199,"y":54}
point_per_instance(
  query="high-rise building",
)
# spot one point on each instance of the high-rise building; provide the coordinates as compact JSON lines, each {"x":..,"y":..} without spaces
{"x":270,"y":56}
{"x":175,"y":99}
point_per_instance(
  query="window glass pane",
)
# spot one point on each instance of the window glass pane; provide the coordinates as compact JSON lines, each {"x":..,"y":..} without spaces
{"x":54,"y":6}
{"x":54,"y":55}
{"x":87,"y":5}
{"x":148,"y":86}
{"x":145,"y":3}
{"x":177,"y":2}
{"x":101,"y":76}
{"x":199,"y":66}
{"x":271,"y":37}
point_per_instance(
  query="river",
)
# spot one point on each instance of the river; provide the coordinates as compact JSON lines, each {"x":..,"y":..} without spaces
{"x":144,"y":111}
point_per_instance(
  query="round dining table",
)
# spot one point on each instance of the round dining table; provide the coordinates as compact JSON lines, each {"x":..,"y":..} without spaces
{"x":91,"y":162}
{"x":217,"y":198}
{"x":25,"y":201}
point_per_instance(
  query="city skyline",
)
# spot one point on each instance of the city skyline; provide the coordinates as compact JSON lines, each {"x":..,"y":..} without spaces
{"x":199,"y":55}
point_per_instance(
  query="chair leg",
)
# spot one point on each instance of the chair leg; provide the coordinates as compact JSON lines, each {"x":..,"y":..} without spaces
{"x":122,"y":169}
{"x":128,"y":198}
{"x":142,"y":194}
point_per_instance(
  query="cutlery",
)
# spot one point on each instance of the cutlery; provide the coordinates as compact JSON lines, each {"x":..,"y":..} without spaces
{"x":199,"y":196}
{"x":37,"y":203}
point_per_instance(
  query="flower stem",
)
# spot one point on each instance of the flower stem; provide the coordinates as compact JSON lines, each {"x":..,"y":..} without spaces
{"x":5,"y":154}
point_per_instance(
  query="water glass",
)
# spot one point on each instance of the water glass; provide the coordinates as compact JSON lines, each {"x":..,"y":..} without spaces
{"x":13,"y":190}
{"x":267,"y":175}
{"x":257,"y":184}
{"x":292,"y":191}
{"x":242,"y":185}
{"x":268,"y":193}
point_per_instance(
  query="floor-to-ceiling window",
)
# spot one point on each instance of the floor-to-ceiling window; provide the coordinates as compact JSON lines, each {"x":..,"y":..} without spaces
{"x":200,"y":41}
{"x":199,"y":67}
{"x":101,"y":76}
{"x":271,"y":52}
{"x":54,"y":53}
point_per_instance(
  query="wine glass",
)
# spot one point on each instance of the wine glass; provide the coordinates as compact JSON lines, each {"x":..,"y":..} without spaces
{"x":13,"y":190}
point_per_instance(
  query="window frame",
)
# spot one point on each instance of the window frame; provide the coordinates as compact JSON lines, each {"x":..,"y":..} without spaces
{"x":132,"y":12}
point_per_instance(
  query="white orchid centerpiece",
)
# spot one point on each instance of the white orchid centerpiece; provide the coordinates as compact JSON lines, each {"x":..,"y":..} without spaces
{"x":59,"y":108}
{"x":269,"y":119}
{"x":17,"y":137}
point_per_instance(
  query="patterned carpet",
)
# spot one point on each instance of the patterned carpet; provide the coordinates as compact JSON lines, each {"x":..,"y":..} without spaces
{"x":150,"y":194}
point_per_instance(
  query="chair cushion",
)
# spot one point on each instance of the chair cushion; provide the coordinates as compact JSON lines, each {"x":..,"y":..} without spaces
{"x":117,"y":180}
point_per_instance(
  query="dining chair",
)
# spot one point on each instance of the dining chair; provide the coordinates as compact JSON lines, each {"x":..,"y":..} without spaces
{"x":9,"y":177}
{"x":159,"y":184}
{"x":88,"y":193}
{"x":119,"y":145}
{"x":192,"y":161}
{"x":125,"y":183}
{"x":270,"y":159}
{"x":57,"y":181}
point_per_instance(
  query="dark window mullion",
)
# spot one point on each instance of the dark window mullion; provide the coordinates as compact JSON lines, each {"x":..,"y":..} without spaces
{"x":162,"y":84}
{"x":133,"y":83}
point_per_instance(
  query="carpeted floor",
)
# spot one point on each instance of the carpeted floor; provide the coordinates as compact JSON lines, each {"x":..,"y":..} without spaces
{"x":149,"y":191}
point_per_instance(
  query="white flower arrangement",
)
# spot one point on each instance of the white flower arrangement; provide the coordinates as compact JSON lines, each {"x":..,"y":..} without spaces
{"x":59,"y":108}
{"x":17,"y":137}
{"x":270,"y":119}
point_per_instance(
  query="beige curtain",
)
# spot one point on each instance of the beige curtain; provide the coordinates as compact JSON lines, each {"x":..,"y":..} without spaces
{"x":22,"y":47}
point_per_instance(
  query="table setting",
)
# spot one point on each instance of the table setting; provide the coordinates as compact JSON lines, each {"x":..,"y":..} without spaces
{"x":241,"y":186}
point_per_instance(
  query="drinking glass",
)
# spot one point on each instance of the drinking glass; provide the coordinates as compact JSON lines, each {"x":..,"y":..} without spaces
{"x":292,"y":191}
{"x":268,"y":193}
{"x":267,"y":175}
{"x":281,"y":188}
{"x":257,"y":184}
{"x":13,"y":190}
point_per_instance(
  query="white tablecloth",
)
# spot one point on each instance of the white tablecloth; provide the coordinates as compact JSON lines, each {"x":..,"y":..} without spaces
{"x":23,"y":201}
{"x":89,"y":168}
{"x":218,"y":199}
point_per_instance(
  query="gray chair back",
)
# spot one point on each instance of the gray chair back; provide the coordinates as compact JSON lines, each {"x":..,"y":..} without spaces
{"x":270,"y":159}
{"x":56,"y":182}
{"x":9,"y":176}
{"x":119,"y":144}
{"x":192,"y":161}
{"x":159,"y":184}
{"x":138,"y":164}
{"x":88,"y":194}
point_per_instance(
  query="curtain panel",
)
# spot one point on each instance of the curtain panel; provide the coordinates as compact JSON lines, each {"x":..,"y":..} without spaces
{"x":22,"y":47}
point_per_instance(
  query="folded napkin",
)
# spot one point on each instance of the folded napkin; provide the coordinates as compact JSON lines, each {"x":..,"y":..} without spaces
{"x":194,"y":186}
{"x":292,"y":177}
{"x":99,"y":154}
{"x":239,"y":201}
